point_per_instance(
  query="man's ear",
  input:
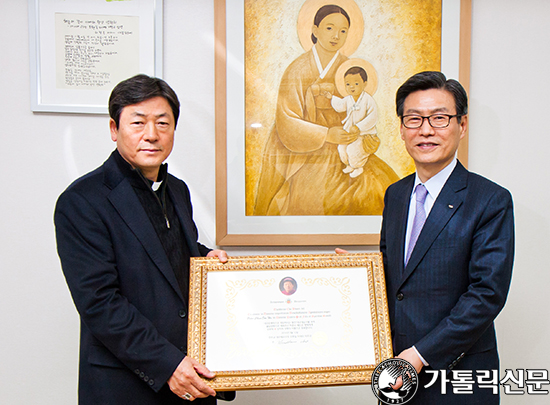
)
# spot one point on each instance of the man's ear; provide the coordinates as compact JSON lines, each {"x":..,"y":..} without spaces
{"x":463,"y":126}
{"x":114,"y":130}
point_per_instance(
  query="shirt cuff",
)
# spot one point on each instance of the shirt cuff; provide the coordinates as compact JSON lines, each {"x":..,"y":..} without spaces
{"x":420,"y":356}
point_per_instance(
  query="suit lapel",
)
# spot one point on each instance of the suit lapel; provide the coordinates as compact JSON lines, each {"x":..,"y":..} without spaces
{"x":128,"y":206}
{"x":400,"y":230}
{"x":447,"y":203}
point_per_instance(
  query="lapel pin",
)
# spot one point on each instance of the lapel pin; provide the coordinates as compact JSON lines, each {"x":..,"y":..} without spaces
{"x":451,"y":206}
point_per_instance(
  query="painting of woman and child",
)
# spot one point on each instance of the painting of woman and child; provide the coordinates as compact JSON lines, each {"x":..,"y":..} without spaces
{"x":322,"y":137}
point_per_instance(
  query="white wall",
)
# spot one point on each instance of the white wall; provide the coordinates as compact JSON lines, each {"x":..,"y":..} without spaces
{"x":43,"y":153}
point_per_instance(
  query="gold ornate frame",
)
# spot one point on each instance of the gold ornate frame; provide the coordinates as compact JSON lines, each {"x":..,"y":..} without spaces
{"x":226,"y":380}
{"x":267,"y":236}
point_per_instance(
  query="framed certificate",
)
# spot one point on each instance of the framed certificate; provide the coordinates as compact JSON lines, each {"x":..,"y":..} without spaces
{"x":289,"y":321}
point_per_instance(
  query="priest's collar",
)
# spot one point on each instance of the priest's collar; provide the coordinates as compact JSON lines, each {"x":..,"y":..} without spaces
{"x":133,"y":173}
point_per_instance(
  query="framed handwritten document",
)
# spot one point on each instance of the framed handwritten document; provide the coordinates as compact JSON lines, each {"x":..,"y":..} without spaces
{"x":289,"y":321}
{"x":79,"y":50}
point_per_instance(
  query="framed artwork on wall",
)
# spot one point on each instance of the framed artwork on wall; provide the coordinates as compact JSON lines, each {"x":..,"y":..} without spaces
{"x":282,"y":81}
{"x":79,"y":50}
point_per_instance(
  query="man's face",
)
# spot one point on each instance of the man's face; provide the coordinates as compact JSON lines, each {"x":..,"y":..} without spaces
{"x":145,"y":135}
{"x":354,"y":85}
{"x":432,"y":148}
{"x":288,"y":286}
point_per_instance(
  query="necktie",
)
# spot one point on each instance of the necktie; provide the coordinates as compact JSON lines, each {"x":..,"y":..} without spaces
{"x":419,"y":218}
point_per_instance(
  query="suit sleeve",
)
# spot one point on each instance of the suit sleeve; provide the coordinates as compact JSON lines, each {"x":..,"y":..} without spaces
{"x":89,"y":262}
{"x":203,"y":249}
{"x":489,"y":274}
{"x":383,"y":233}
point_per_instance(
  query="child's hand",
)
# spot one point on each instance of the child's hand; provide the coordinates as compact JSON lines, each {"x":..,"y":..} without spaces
{"x":327,"y":94}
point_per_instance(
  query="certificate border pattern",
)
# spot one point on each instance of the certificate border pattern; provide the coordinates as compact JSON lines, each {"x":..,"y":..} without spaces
{"x":296,"y":377}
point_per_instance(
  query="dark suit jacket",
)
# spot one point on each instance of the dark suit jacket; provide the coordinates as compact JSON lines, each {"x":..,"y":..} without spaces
{"x":133,"y":314}
{"x":457,"y":278}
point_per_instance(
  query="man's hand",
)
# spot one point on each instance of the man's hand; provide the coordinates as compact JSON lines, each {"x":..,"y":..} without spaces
{"x":186,"y":380}
{"x":411,"y":356}
{"x":220,"y":254}
{"x":341,"y":251}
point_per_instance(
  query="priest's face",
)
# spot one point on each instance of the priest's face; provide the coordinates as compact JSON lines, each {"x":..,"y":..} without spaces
{"x":145,"y":135}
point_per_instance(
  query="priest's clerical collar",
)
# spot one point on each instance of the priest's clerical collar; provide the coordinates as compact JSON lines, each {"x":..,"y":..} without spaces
{"x":128,"y":169}
{"x":156,"y":184}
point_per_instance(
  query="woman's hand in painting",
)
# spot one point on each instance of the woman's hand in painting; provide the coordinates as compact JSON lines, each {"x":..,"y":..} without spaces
{"x":340,"y":136}
{"x":354,"y":130}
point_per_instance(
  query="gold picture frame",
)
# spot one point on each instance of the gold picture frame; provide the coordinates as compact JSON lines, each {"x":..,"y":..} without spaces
{"x":235,"y":226}
{"x":337,"y":305}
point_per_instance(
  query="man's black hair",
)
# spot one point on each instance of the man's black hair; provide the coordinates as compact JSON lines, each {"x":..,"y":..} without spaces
{"x":140,"y":88}
{"x":432,"y":80}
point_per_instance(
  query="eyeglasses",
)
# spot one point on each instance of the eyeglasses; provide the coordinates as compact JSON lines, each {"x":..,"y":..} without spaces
{"x":436,"y":120}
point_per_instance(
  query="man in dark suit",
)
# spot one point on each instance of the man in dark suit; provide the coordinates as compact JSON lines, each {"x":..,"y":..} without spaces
{"x":125,"y":234}
{"x":448,"y":244}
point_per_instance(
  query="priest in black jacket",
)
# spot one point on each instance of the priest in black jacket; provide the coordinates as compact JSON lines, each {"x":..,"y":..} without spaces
{"x":125,"y":234}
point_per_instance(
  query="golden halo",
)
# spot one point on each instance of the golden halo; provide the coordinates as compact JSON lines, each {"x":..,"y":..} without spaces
{"x":372,"y":81}
{"x":356,"y":28}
